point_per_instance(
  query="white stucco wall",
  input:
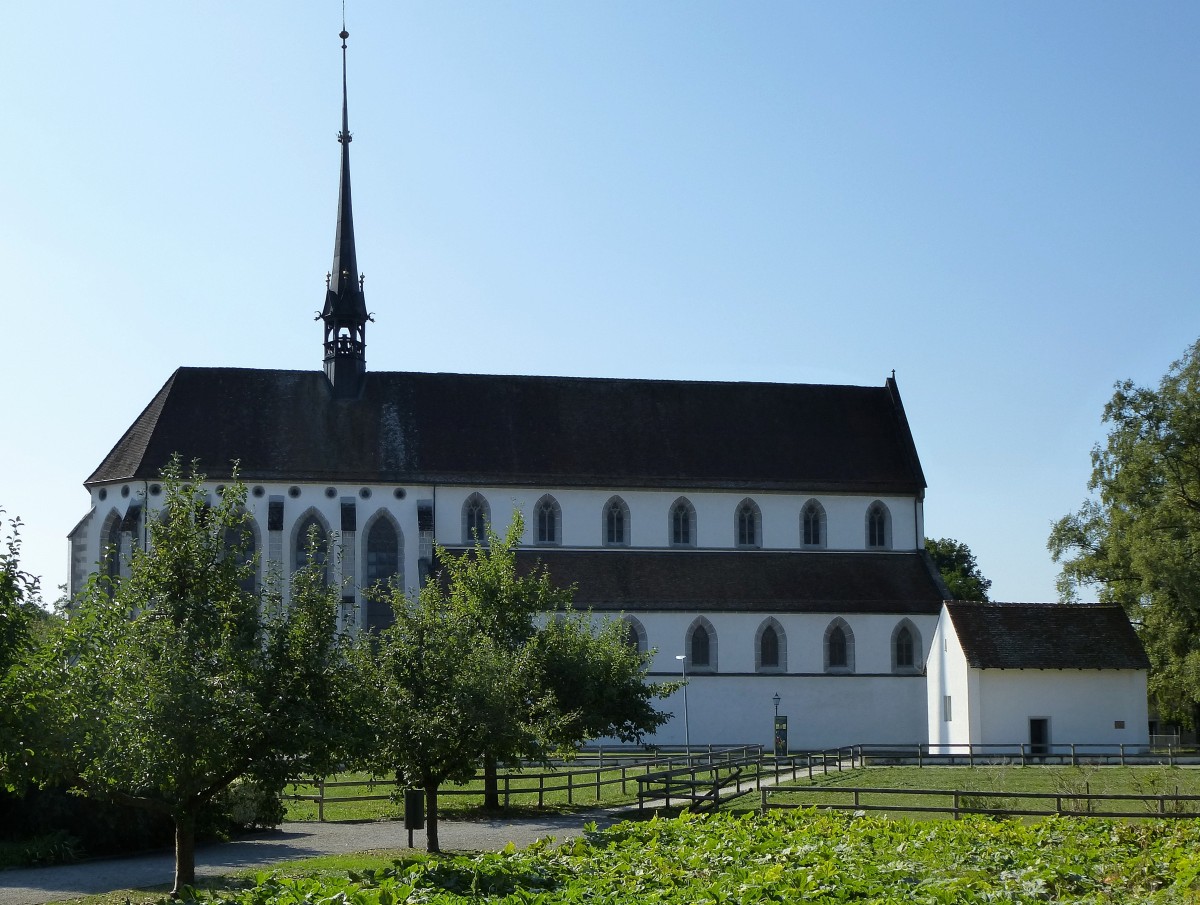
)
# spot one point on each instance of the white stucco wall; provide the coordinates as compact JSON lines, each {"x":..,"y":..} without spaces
{"x":649,"y":515}
{"x":802,"y":644}
{"x":1082,"y":705}
{"x":822,"y":711}
{"x":948,"y":676}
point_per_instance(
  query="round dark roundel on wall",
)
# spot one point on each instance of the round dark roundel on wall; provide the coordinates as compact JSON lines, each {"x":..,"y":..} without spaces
{"x":125,"y":490}
{"x":331,"y":492}
{"x":103,"y":494}
{"x":155,"y":489}
{"x":258,"y":490}
{"x":399,"y":493}
{"x":293,"y":491}
{"x":365,"y":493}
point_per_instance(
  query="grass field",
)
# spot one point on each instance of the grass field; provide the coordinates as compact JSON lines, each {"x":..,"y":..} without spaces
{"x":568,"y":789}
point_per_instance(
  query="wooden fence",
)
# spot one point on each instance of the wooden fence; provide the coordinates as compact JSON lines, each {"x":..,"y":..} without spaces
{"x":606,"y":768}
{"x":1008,"y":804}
{"x":1025,"y":754}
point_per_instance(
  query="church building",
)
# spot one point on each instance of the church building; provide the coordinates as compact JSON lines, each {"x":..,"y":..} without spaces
{"x":765,"y":539}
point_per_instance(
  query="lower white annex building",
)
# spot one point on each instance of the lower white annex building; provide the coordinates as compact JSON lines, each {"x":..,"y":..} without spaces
{"x":766,"y":537}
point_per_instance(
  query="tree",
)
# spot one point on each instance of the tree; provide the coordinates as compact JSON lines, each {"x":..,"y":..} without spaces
{"x":958,"y":568}
{"x":19,"y":612}
{"x":165,"y":687}
{"x":465,"y":675}
{"x":1137,"y":538}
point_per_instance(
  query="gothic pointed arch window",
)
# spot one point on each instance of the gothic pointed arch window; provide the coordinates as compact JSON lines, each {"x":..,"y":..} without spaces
{"x":770,"y":647}
{"x":383,"y":546}
{"x":812,"y":525}
{"x":616,"y":523}
{"x":476,"y":517}
{"x":635,"y":634}
{"x":879,"y":527}
{"x":383,"y":564}
{"x":111,"y":555}
{"x":700,"y":643}
{"x":683,"y":523}
{"x":310,"y":543}
{"x":547,"y":521}
{"x":839,"y":647}
{"x":243,"y":538}
{"x":748,"y":524}
{"x":906,"y":648}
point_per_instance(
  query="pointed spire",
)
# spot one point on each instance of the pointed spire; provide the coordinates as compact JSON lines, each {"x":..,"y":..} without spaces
{"x":345,"y":312}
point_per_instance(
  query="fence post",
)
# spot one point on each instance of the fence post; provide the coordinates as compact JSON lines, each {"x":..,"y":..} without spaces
{"x":955,"y":807}
{"x":569,"y":790}
{"x":597,"y":783}
{"x":809,"y":758}
{"x":1122,"y":754}
{"x":321,"y":800}
{"x":541,"y":789}
{"x":1023,"y":763}
{"x":971,"y":753}
{"x":762,"y":794}
{"x":920,"y":763}
{"x":1074,"y":759}
{"x":506,"y":790}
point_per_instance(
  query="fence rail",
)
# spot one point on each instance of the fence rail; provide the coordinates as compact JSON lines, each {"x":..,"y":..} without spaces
{"x":605,"y":768}
{"x":1024,"y":753}
{"x":1079,"y":804}
{"x":678,"y":775}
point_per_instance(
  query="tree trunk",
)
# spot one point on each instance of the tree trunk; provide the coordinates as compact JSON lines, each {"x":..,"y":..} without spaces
{"x":185,"y":852}
{"x":431,"y":817}
{"x":491,"y":784}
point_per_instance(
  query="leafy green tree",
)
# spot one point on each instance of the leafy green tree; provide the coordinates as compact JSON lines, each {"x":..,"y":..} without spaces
{"x":19,"y":613}
{"x":1137,"y":538}
{"x":467,"y":676}
{"x":165,"y":687}
{"x":956,"y":564}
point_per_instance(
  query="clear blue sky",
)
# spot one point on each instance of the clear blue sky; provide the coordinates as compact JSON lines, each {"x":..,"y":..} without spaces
{"x":1001,"y":201}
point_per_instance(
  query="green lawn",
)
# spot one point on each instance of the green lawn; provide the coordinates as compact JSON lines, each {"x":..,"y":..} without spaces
{"x":1065,"y":781}
{"x":567,"y":789}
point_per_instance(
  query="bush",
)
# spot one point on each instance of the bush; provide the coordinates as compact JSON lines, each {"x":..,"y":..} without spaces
{"x":245,"y":805}
{"x":51,"y":826}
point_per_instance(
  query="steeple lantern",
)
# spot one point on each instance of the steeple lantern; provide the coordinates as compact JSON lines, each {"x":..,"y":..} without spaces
{"x":345,"y":311}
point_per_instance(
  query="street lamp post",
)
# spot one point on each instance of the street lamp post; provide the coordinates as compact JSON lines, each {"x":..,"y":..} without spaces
{"x":687,"y":734}
{"x":780,"y":743}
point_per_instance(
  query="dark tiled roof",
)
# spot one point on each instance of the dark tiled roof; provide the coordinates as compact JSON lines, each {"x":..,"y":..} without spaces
{"x":1046,"y":636}
{"x":550,"y":431}
{"x":742,"y":581}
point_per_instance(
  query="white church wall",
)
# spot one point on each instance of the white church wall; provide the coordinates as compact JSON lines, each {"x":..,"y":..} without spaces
{"x":804,"y":638}
{"x":822,"y":711}
{"x":1083,"y":706}
{"x":949,"y":691}
{"x":649,"y":516}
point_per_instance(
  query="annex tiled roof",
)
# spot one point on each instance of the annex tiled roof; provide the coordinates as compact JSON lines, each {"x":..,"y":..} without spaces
{"x":1046,"y":636}
{"x":512,"y":430}
{"x":742,"y":581}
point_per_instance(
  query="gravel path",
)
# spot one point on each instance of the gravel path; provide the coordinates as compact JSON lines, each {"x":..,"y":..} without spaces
{"x":292,"y":840}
